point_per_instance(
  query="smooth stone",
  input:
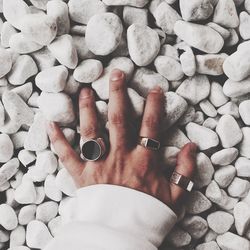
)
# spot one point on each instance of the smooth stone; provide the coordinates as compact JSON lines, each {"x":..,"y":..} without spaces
{"x":54,"y":225}
{"x":221,"y":30}
{"x":53,"y":79}
{"x":242,"y":166}
{"x":175,"y":137}
{"x":210,"y":123}
{"x":6,"y":148}
{"x":197,"y":133}
{"x":244,"y":25}
{"x":225,"y":175}
{"x":8,"y":170}
{"x":217,"y":97}
{"x":229,"y":131}
{"x":40,"y":195}
{"x":56,"y":107}
{"x":169,"y":68}
{"x":225,"y":14}
{"x":24,"y":91}
{"x":220,"y":221}
{"x":101,"y":85}
{"x":137,"y":102}
{"x":14,"y":11}
{"x":23,"y":68}
{"x":72,"y":86}
{"x":197,"y":203}
{"x":233,"y":39}
{"x":230,"y":241}
{"x":88,"y":71}
{"x":225,"y":156}
{"x":135,"y":15}
{"x":165,"y":17}
{"x":5,"y":61}
{"x":4,"y":236}
{"x":135,"y":3}
{"x":178,"y":237}
{"x":40,"y":28}
{"x":51,"y":190}
{"x":46,"y":211}
{"x":81,"y":11}
{"x":7,"y":31}
{"x":194,"y":89}
{"x":244,"y":146}
{"x":8,"y":217}
{"x":104,"y":27}
{"x":188,"y":63}
{"x":210,"y":64}
{"x":60,"y":12}
{"x":242,"y":217}
{"x":188,"y":116}
{"x":145,"y":79}
{"x":207,"y":108}
{"x":210,"y":236}
{"x":229,"y":108}
{"x":82,"y":48}
{"x":196,"y":10}
{"x":37,"y":235}
{"x":17,"y":237}
{"x":244,"y":108}
{"x":143,"y":44}
{"x":238,"y":188}
{"x":212,"y":245}
{"x":63,"y":49}
{"x":18,"y":139}
{"x":206,"y":38}
{"x":46,"y":161}
{"x":26,"y":157}
{"x":40,"y":4}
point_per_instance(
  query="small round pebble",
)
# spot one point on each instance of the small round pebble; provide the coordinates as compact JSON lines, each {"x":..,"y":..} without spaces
{"x":6,"y":148}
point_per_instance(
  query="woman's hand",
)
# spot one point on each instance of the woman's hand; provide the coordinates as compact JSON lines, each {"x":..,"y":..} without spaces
{"x":127,"y":163}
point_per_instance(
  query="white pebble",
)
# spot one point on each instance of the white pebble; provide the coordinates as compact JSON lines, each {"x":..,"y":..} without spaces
{"x":5,"y":61}
{"x":242,"y":166}
{"x":238,"y":187}
{"x":225,"y":156}
{"x":8,"y":217}
{"x":242,"y":217}
{"x":26,"y":214}
{"x":245,"y":144}
{"x":225,"y":175}
{"x":244,"y":108}
{"x":51,"y":190}
{"x":17,"y":237}
{"x":6,"y":148}
{"x":46,"y":211}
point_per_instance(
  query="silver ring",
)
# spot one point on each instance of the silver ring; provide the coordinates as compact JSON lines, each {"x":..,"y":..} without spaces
{"x":149,"y":143}
{"x":92,"y":149}
{"x":182,"y":181}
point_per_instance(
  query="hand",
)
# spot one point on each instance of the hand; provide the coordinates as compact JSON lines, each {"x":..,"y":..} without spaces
{"x":126,"y":164}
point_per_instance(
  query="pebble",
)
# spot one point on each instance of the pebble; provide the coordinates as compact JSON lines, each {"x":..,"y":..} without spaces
{"x":88,"y":71}
{"x":170,"y":155}
{"x":190,"y":88}
{"x":143,"y":44}
{"x":63,"y":49}
{"x":225,"y":33}
{"x":8,"y":218}
{"x":135,"y":15}
{"x":6,"y":62}
{"x":238,"y":188}
{"x":82,"y":11}
{"x":244,"y":24}
{"x":242,"y":166}
{"x":169,"y":68}
{"x":212,"y":245}
{"x":231,"y":241}
{"x":37,"y":235}
{"x":82,"y":48}
{"x":24,"y":91}
{"x":247,"y":5}
{"x":101,"y":85}
{"x":4,"y":236}
{"x":244,"y":108}
{"x":145,"y":79}
{"x":17,"y":237}
{"x":210,"y":123}
{"x":104,"y":27}
{"x":210,"y":64}
{"x":23,"y":68}
{"x":46,"y":161}
{"x":196,"y":10}
{"x":8,"y":170}
{"x":60,"y":12}
{"x":165,"y":17}
{"x":178,"y":237}
{"x":51,"y":190}
{"x":217,"y":97}
{"x":197,"y":203}
{"x":225,"y":175}
{"x":220,"y":221}
{"x":229,"y":131}
{"x":14,"y":11}
{"x":54,"y":225}
{"x":225,"y":156}
{"x":37,"y":139}
{"x":195,"y":225}
{"x":52,"y":79}
{"x":26,"y":214}
{"x":40,"y":195}
{"x":242,"y":217}
{"x":245,"y":144}
{"x":206,"y":38}
{"x":175,"y":137}
{"x":225,"y":14}
{"x":56,"y":107}
{"x":197,"y":133}
{"x":188,"y":63}
{"x":40,"y":4}
{"x":46,"y":211}
{"x":137,"y":102}
{"x":135,"y":3}
{"x":6,"y":148}
{"x":207,"y":108}
{"x":65,"y":183}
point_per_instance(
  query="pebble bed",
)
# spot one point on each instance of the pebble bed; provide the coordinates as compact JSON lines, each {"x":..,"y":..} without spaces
{"x":198,"y":51}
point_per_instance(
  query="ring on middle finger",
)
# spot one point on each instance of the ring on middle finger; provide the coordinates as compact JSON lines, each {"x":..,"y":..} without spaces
{"x":149,"y":143}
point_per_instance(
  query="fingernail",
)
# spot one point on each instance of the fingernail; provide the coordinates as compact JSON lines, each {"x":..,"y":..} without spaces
{"x":156,"y":89}
{"x":50,"y":126}
{"x":116,"y":75}
{"x":86,"y":92}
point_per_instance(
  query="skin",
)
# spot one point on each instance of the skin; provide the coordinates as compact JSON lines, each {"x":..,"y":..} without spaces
{"x":126,"y":163}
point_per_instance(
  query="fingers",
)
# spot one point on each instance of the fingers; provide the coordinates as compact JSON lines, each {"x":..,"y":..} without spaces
{"x":88,"y":114}
{"x":65,"y":152}
{"x":153,"y":114}
{"x":118,"y":109}
{"x":186,"y":163}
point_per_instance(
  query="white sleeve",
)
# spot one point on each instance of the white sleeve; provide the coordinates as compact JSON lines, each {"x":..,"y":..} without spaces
{"x":109,"y":217}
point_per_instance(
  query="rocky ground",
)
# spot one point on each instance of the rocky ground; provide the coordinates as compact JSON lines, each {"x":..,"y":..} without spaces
{"x":198,"y":51}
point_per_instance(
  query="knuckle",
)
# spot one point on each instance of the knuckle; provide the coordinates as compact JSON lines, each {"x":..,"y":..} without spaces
{"x":151,"y":122}
{"x":86,"y":103}
{"x":89,"y":131}
{"x":117,"y":119}
{"x":54,"y":137}
{"x":65,"y":157}
{"x":117,"y":87}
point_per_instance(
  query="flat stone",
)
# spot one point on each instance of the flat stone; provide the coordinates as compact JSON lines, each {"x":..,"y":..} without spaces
{"x":103,"y":27}
{"x":51,"y":190}
{"x":46,"y":211}
{"x":52,"y":79}
{"x":8,"y":218}
{"x":242,"y":217}
{"x":217,"y":97}
{"x":244,"y":24}
{"x":244,"y":108}
{"x":190,"y":88}
{"x":188,"y":63}
{"x":197,"y":133}
{"x":242,"y":166}
{"x":143,"y":44}
{"x":5,"y":61}
{"x":245,"y":144}
{"x":206,"y":38}
{"x":225,"y":156}
{"x":26,"y":214}
{"x":207,"y":108}
{"x":8,"y":170}
{"x":238,"y":187}
{"x":135,"y":3}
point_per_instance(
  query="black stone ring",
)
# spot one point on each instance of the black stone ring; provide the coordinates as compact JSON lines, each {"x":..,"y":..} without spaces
{"x":92,"y":149}
{"x":149,"y":143}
